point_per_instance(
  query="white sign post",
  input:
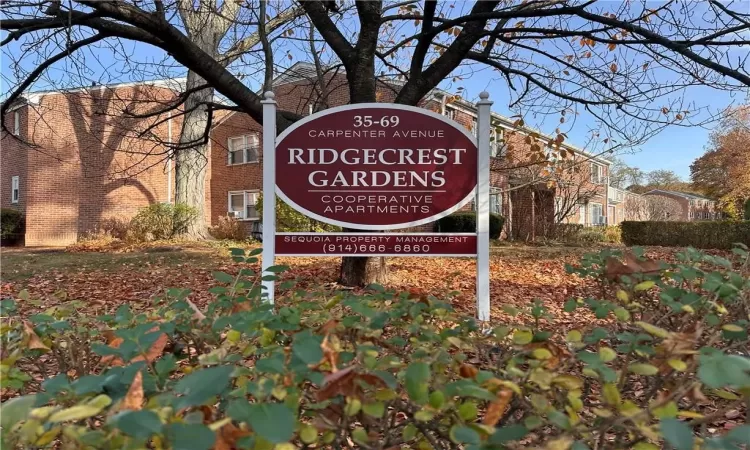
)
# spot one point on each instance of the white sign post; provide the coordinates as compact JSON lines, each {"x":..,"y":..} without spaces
{"x":269,"y":190}
{"x":483,"y":208}
{"x":387,"y":244}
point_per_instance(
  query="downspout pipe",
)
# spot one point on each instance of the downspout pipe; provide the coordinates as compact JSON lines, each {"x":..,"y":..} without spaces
{"x":169,"y":159}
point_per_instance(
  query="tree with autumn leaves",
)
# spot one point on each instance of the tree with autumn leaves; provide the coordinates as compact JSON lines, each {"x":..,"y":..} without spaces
{"x":723,"y":172}
{"x":611,"y":61}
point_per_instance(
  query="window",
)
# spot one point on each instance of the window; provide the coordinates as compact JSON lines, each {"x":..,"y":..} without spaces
{"x":597,"y":214}
{"x":243,"y":149}
{"x":497,"y":143}
{"x":15,"y":189}
{"x":242,"y":205}
{"x":496,"y":201}
{"x":474,"y":126}
{"x":612,"y":215}
{"x":597,"y":173}
{"x":582,"y":214}
{"x":450,"y":113}
{"x":17,"y":123}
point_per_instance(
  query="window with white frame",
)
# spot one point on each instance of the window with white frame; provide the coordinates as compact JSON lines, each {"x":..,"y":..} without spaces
{"x":243,"y":149}
{"x":474,"y":126}
{"x":450,"y":113}
{"x":597,"y":173}
{"x":496,"y":200}
{"x":17,"y":123}
{"x":15,"y":189}
{"x":242,"y":205}
{"x":582,"y":214}
{"x":497,"y":143}
{"x":597,"y":214}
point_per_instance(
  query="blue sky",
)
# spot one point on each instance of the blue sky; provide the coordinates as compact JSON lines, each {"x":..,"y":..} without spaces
{"x":675,"y":148}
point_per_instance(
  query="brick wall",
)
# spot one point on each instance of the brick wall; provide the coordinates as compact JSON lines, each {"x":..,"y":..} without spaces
{"x":87,"y":163}
{"x":13,"y":162}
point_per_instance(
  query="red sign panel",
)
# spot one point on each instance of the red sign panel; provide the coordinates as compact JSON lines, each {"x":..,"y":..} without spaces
{"x":376,"y":166}
{"x":376,"y":244}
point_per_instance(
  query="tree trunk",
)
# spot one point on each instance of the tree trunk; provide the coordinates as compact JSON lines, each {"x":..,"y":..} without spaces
{"x":361,"y":271}
{"x":191,"y":163}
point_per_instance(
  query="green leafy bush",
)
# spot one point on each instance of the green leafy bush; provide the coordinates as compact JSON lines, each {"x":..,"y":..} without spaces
{"x":12,"y":225}
{"x":719,"y":234}
{"x":466,"y":222}
{"x":577,"y":234}
{"x":564,"y":231}
{"x":161,"y":221}
{"x":381,"y":369}
{"x":289,"y":219}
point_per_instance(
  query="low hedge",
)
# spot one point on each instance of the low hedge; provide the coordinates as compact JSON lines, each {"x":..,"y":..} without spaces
{"x":12,"y":226}
{"x":466,"y":222}
{"x":719,"y":234}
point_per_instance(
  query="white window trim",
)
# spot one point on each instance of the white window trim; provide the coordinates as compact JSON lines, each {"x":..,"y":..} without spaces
{"x":582,"y":213}
{"x":244,"y":205}
{"x":601,"y":206}
{"x":15,"y":189}
{"x":598,"y":176}
{"x":16,"y":123}
{"x":497,"y":193}
{"x":246,"y":146}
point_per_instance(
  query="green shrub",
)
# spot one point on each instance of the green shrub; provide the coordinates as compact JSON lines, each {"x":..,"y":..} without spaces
{"x":12,"y":225}
{"x":378,"y":370}
{"x":718,"y":234}
{"x":161,"y":221}
{"x":564,"y":231}
{"x":577,"y":234}
{"x":589,"y":236}
{"x":290,"y":220}
{"x":466,"y":222}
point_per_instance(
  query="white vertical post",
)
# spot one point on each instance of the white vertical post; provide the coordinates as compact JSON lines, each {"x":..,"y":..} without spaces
{"x":269,"y":189}
{"x":483,"y":208}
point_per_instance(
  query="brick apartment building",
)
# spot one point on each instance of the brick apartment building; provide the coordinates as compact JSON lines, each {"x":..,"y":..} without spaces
{"x":694,"y":207}
{"x":80,"y":161}
{"x":72,"y":159}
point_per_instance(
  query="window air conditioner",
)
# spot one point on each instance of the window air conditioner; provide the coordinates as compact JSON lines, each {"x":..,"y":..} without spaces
{"x":235,"y":214}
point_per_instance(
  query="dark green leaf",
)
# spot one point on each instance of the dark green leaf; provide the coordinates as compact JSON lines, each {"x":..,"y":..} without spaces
{"x":559,"y":419}
{"x":185,"y":436}
{"x":677,"y":434}
{"x":418,"y":382}
{"x":273,"y":422}
{"x":202,"y":385}
{"x":740,"y":435}
{"x":718,"y":370}
{"x":139,"y":424}
{"x":461,"y":434}
{"x":223,"y":277}
{"x":306,"y":347}
{"x":271,"y":364}
{"x":509,"y":433}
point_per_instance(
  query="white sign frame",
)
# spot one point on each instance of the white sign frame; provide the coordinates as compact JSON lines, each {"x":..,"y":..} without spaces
{"x":358,"y":226}
{"x":481,"y":192}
